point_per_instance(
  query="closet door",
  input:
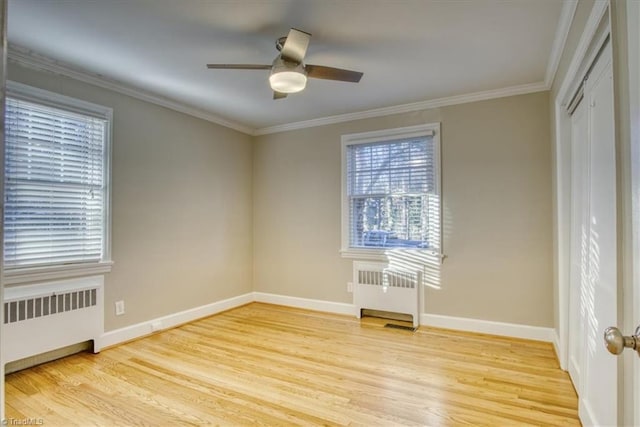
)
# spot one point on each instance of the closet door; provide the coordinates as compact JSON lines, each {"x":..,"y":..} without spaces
{"x":598,"y":375}
{"x":579,"y":238}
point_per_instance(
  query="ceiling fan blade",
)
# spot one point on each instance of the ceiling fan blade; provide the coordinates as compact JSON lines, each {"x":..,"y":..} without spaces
{"x":330,"y":73}
{"x":239,"y":66}
{"x":279,"y":95}
{"x":296,"y":45}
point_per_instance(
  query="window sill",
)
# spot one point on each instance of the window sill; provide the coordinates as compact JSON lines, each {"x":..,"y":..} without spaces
{"x":44,"y":273}
{"x":368,"y":254}
{"x":427,"y":255}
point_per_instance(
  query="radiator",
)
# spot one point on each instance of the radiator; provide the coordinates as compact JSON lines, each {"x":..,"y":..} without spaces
{"x":48,"y":316}
{"x":377,"y":287}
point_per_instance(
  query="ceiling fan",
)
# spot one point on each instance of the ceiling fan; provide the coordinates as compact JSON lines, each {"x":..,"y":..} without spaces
{"x":288,"y":71}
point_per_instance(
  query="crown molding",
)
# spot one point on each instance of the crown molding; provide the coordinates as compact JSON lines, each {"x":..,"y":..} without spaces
{"x":598,"y":11}
{"x":406,"y":108}
{"x":33,"y":60}
{"x":562,"y":32}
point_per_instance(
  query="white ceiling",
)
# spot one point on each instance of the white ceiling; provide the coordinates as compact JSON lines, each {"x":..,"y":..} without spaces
{"x":409,"y":50}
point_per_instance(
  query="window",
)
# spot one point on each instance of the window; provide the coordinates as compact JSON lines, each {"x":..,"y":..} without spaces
{"x":391,"y":190}
{"x":56,"y":182}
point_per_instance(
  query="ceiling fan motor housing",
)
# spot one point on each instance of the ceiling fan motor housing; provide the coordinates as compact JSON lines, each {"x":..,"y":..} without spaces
{"x":287,"y":76}
{"x":280,"y":43}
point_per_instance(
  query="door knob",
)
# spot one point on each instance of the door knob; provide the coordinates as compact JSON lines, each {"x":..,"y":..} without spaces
{"x":616,"y":342}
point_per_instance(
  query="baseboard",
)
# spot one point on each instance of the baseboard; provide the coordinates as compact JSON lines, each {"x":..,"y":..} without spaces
{"x":459,"y":323}
{"x":49,"y":356}
{"x":306,"y":303}
{"x":556,"y":348}
{"x":138,"y":330}
{"x":488,"y":327}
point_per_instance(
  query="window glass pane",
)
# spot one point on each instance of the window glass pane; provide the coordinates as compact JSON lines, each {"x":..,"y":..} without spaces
{"x":390,"y":189}
{"x":54,"y":185}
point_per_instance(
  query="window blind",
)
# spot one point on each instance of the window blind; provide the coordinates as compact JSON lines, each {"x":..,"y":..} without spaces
{"x":54,"y":185}
{"x":391,"y":187}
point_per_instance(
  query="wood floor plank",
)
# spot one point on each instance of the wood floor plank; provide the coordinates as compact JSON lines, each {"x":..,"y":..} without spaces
{"x":270,"y":365}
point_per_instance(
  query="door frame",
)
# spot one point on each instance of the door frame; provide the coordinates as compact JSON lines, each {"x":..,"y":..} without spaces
{"x":631,"y":411}
{"x":3,"y":76}
{"x":629,"y":283}
{"x":562,"y":177}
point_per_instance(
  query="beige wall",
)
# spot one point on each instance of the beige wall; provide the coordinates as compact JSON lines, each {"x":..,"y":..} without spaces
{"x":195,"y":205}
{"x":181,"y":205}
{"x":497,"y":210}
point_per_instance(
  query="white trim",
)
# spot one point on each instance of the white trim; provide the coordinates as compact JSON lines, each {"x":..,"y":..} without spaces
{"x":395,"y":133}
{"x":56,"y":100}
{"x":142,"y":329}
{"x":631,"y":383}
{"x":435,"y":320}
{"x":383,"y":254}
{"x":18,"y":274}
{"x":306,"y":303}
{"x":30,"y":59}
{"x":3,"y":75}
{"x":107,"y":157}
{"x":556,"y":346}
{"x":406,"y":108}
{"x":365,"y":254}
{"x":561,"y":166}
{"x":600,"y":7}
{"x":14,"y":293}
{"x":562,"y":31}
{"x":38,"y":274}
{"x":562,"y":192}
{"x":430,"y":129}
{"x":587,"y":418}
{"x":513,"y":330}
{"x":586,"y":63}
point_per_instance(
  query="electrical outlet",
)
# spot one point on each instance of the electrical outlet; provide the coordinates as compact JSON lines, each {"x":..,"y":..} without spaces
{"x":350,"y":287}
{"x":119,"y":308}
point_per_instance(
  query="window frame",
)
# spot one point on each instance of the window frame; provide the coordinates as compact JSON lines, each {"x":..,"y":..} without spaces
{"x":16,"y":275}
{"x":386,"y":135}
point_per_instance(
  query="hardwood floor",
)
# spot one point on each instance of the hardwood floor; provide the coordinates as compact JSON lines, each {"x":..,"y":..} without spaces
{"x":271,"y":365}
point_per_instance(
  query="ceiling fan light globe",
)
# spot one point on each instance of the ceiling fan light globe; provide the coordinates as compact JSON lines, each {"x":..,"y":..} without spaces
{"x":288,"y":81}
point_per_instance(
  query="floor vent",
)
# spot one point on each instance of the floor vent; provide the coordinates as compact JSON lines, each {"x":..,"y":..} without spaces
{"x":403,"y":327}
